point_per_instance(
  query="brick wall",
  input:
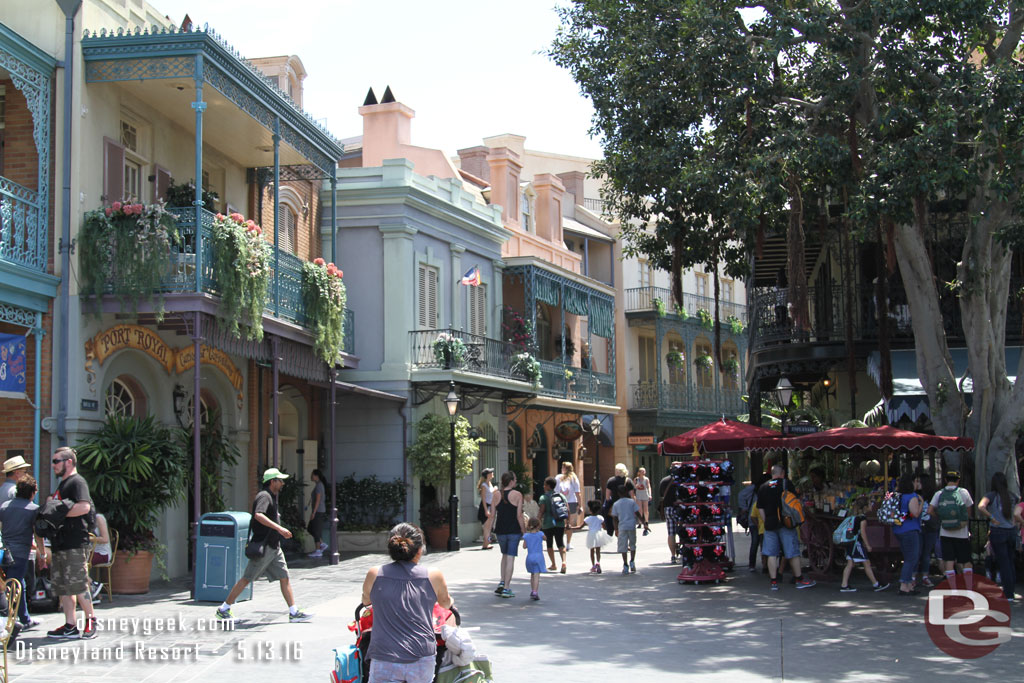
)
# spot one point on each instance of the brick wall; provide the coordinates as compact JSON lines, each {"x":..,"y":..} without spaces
{"x":307,"y":227}
{"x":20,"y":159}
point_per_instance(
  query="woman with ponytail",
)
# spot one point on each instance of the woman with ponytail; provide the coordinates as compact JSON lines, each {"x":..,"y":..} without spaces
{"x":403,"y":594}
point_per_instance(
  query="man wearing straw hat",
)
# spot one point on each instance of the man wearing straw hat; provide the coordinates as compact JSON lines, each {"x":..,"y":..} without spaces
{"x":14,"y":470}
{"x":267,"y":530}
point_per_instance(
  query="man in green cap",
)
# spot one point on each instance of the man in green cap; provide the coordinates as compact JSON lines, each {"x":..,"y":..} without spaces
{"x":267,"y":530}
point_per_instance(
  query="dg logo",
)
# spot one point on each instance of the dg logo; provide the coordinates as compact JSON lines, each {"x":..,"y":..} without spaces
{"x":968,"y":622}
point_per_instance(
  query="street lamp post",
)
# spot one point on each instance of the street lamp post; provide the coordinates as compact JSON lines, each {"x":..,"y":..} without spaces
{"x":783,"y":394}
{"x":595,"y":429}
{"x":452,"y":401}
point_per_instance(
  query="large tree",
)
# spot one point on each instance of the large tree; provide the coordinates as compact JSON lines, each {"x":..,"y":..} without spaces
{"x":724,"y":120}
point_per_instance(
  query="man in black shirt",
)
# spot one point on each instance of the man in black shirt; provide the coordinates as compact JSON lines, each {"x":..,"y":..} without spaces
{"x":266,"y":528}
{"x":777,"y":536}
{"x":71,"y":548}
{"x":668,"y":494}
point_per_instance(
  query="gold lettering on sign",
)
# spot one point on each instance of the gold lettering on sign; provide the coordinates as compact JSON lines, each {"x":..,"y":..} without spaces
{"x":185,"y":360}
{"x":121,"y":337}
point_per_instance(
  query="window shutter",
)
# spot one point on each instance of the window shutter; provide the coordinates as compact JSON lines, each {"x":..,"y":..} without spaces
{"x":478,"y":310}
{"x":432,"y":297}
{"x":421,"y":294}
{"x":161,"y":181}
{"x":113,"y":171}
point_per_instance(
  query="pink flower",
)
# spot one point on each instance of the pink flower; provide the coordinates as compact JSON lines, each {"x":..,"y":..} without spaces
{"x":259,"y":230}
{"x":339,"y":273}
{"x":116,"y":206}
{"x":237,"y":217}
{"x":318,"y":262}
{"x":107,"y":211}
{"x":220,"y":216}
{"x":331,"y":269}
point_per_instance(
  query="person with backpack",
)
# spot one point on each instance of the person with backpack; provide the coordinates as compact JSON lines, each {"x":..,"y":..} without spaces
{"x":853,"y":538}
{"x":780,"y":527}
{"x":908,"y":533}
{"x":952,"y":505}
{"x":1001,"y":508}
{"x":668,"y":495}
{"x":555,"y":509}
{"x":745,"y":502}
{"x":924,"y":484}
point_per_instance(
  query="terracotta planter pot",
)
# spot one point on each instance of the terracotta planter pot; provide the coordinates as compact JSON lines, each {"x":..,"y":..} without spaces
{"x":437,"y":537}
{"x":130,"y":573}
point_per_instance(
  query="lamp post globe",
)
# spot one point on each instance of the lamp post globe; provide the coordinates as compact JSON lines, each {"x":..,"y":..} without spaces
{"x":784,"y":394}
{"x":451,"y":401}
{"x":595,"y":429}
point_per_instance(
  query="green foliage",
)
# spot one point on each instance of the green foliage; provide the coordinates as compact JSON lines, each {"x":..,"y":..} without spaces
{"x":369,"y":504}
{"x":290,"y":501}
{"x":216,"y":453}
{"x":323,"y":293}
{"x":675,"y":359}
{"x":449,"y":350}
{"x":184,"y":194}
{"x":526,"y":365}
{"x":659,"y":306}
{"x":430,"y":453}
{"x":241,"y":259}
{"x":703,"y":361}
{"x":735,"y":324}
{"x":731,"y":366}
{"x":516,"y":330}
{"x":706,"y":321}
{"x":434,"y":514}
{"x":524,"y":478}
{"x":136,"y":468}
{"x":126,"y":249}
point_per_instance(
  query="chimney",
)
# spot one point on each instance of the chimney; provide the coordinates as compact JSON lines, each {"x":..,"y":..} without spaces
{"x":504,"y":177}
{"x":573,"y":181}
{"x":550,"y":195}
{"x":386,"y":127}
{"x":474,"y":160}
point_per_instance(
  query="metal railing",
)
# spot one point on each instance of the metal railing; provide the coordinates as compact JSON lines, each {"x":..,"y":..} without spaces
{"x":595,"y":205}
{"x":22,"y":237}
{"x":348,"y":339}
{"x":641,"y":299}
{"x":495,"y":358}
{"x":687,"y":398}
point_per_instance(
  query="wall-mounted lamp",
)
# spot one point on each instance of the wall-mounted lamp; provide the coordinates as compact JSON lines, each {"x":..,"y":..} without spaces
{"x":178,"y":398}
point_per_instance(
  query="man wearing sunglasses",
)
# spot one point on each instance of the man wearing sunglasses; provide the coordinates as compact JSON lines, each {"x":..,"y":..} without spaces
{"x":69,"y":573}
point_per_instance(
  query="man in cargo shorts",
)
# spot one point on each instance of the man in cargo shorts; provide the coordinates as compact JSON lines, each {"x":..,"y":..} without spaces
{"x":266,"y":528}
{"x":778,"y":538}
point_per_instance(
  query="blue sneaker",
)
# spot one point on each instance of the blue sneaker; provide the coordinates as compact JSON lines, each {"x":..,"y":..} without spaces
{"x":500,"y":589}
{"x":625,"y":569}
{"x":506,"y":593}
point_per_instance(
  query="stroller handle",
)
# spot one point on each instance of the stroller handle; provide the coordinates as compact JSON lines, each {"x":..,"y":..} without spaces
{"x":454,"y":611}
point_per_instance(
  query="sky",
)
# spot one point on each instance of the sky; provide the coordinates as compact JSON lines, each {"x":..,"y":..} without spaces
{"x":469,"y":68}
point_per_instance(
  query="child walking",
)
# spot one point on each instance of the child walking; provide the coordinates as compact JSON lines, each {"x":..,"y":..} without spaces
{"x":596,"y":535}
{"x":533,"y":543}
{"x":855,"y":551}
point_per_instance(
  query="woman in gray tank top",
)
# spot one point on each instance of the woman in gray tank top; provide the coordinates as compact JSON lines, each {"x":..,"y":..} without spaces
{"x":403,"y":594}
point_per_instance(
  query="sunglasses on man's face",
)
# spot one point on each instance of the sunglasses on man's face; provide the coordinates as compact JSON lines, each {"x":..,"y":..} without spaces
{"x":57,"y":461}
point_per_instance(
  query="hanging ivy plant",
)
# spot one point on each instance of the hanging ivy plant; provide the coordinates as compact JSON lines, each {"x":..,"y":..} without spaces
{"x":125,"y":249}
{"x":241,"y":259}
{"x":526,"y":365}
{"x":681,"y":312}
{"x":731,"y":366}
{"x":705,"y":319}
{"x":659,"y":306}
{"x":449,"y":351}
{"x":184,"y":194}
{"x":735,"y":324}
{"x":703,"y":361}
{"x":675,"y":359}
{"x":323,"y":293}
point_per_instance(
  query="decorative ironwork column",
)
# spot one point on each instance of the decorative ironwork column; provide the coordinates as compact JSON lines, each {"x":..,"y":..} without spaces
{"x":196,"y":426}
{"x":275,"y":362}
{"x":277,"y":250}
{"x":199,"y":106}
{"x":333,"y":549}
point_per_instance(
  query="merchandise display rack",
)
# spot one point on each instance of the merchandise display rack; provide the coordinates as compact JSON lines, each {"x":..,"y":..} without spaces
{"x":705,"y":528}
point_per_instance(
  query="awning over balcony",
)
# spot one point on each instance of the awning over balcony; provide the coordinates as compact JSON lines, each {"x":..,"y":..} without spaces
{"x":909,"y":398}
{"x":576,"y":298}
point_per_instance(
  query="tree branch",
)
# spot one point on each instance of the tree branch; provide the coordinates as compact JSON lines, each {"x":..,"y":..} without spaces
{"x":1014,"y":29}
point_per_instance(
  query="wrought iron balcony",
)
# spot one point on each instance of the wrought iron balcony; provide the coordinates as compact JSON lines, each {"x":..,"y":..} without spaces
{"x":686,"y":398}
{"x":495,"y":358}
{"x":642,"y":300}
{"x":22,"y":232}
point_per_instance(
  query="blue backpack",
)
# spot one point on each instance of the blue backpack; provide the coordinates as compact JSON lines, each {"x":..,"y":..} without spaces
{"x":348,"y":666}
{"x":846,"y":532}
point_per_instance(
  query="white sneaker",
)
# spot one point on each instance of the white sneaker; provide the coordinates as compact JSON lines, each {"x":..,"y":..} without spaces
{"x":97,"y":588}
{"x":316,"y":553}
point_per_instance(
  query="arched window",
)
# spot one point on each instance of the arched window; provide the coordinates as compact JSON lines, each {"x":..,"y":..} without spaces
{"x":515,"y":444}
{"x":206,"y":405}
{"x":125,"y":397}
{"x":544,"y":333}
{"x":704,"y":373}
{"x":489,"y":448}
{"x":288,"y":239}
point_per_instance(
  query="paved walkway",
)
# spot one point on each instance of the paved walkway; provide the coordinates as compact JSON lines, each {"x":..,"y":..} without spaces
{"x":585,"y":628}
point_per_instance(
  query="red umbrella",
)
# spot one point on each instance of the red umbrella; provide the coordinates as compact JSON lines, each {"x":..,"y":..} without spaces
{"x":719,"y":436}
{"x":863,"y":438}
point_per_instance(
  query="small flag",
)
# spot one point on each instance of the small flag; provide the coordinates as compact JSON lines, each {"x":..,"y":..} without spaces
{"x":472,"y":277}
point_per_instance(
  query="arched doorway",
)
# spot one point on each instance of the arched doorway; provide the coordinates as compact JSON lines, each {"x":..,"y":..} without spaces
{"x":515,"y":445}
{"x":538,"y":451}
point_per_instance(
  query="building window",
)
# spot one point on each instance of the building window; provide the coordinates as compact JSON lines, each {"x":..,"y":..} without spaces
{"x":515,"y":444}
{"x":705,"y":377}
{"x":478,"y":310}
{"x":527,"y":213}
{"x":677,"y":371}
{"x":134,"y":164}
{"x":288,"y":226}
{"x":204,"y":411}
{"x":702,"y":284}
{"x":648,"y":367}
{"x":646,"y":274}
{"x":427,"y":293}
{"x":132,"y":179}
{"x":728,"y":291}
{"x":121,"y":400}
{"x":130,"y":136}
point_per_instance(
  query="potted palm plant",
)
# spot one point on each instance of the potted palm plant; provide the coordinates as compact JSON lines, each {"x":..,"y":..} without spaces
{"x":136,"y":469}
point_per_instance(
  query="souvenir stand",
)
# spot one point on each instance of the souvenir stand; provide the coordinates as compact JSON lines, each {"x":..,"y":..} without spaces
{"x":850,"y":456}
{"x":705,"y":539}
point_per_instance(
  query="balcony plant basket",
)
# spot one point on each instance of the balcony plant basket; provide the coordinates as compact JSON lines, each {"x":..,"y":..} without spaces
{"x":675,"y":359}
{"x":184,"y":194}
{"x":659,"y":306}
{"x":241,"y":259}
{"x":704,"y":361}
{"x":706,"y":321}
{"x":323,"y":294}
{"x":682,"y":313}
{"x":136,"y":469}
{"x":449,"y":351}
{"x":125,"y":249}
{"x":526,"y":365}
{"x":731,"y":366}
{"x":735,"y":324}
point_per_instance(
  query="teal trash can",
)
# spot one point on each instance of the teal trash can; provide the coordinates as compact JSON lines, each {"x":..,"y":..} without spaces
{"x":220,"y":555}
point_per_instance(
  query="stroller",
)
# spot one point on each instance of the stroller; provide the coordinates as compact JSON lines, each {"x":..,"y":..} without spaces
{"x":353,"y":666}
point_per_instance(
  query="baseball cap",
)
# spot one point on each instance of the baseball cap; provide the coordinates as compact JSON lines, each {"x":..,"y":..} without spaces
{"x":952,"y":474}
{"x":273,"y":473}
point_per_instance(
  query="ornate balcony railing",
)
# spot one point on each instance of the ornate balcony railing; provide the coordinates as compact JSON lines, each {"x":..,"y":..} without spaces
{"x":641,"y":299}
{"x":285,"y":281}
{"x":493,"y":357}
{"x":773,"y":320}
{"x":687,"y":399}
{"x":22,"y":234}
